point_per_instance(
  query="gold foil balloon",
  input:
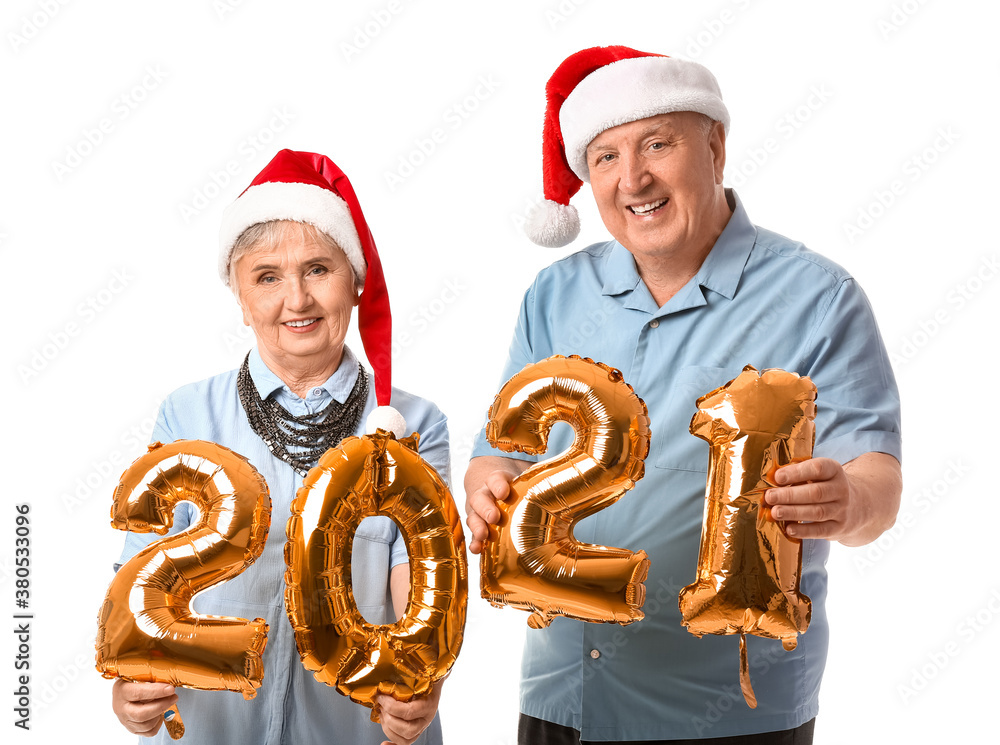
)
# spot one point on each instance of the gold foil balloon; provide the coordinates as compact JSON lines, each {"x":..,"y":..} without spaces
{"x":147,"y":631}
{"x":748,"y":568}
{"x":375,"y":475}
{"x":531,"y":559}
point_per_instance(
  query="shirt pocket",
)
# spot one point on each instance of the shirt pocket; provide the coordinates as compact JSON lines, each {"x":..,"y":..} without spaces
{"x":673,"y":445}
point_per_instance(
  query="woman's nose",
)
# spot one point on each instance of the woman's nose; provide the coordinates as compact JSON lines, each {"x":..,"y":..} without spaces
{"x":297,"y":294}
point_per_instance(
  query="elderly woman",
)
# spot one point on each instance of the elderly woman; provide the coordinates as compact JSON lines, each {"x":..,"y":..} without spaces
{"x":299,"y":257}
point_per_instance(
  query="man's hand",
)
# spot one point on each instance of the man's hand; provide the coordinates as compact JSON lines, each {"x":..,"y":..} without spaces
{"x":487,"y":480}
{"x":140,"y":706}
{"x":403,"y":722}
{"x":853,"y":504}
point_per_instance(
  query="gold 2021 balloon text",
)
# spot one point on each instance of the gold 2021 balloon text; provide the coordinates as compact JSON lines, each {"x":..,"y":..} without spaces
{"x":748,"y":568}
{"x":531,"y":559}
{"x":375,"y":475}
{"x":147,"y":631}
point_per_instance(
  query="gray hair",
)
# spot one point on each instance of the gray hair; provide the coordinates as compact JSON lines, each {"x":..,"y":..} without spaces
{"x":268,"y":235}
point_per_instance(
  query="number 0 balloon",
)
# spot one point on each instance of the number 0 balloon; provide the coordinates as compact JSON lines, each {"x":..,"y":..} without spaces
{"x":147,"y":630}
{"x":531,"y":559}
{"x":375,"y":475}
{"x":748,"y":569}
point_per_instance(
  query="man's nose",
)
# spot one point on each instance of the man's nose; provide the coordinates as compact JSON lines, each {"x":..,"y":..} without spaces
{"x":635,"y":175}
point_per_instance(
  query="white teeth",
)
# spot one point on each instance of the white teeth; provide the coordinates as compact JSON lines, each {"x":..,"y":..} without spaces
{"x":297,"y":324}
{"x":648,"y":207}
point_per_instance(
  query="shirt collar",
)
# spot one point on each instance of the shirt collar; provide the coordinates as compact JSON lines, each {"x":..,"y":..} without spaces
{"x":339,"y":385}
{"x":723,"y":267}
{"x":720,"y":272}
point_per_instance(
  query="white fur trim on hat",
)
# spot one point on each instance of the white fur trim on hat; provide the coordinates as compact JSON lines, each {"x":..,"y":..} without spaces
{"x":551,"y":224}
{"x":388,"y":419}
{"x":632,"y":89}
{"x":299,"y":202}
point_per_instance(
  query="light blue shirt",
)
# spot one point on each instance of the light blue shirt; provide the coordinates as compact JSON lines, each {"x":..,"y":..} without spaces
{"x":291,"y":707}
{"x":757,"y":299}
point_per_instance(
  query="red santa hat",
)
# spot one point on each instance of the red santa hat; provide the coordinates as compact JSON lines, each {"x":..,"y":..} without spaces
{"x":311,"y":188}
{"x":594,"y":90}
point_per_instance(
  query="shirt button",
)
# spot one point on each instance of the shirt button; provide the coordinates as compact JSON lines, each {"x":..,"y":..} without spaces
{"x":317,"y":391}
{"x":594,"y":653}
{"x":654,"y":324}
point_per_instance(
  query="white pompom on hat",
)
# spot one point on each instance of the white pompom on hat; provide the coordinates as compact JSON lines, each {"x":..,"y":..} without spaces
{"x":594,"y":90}
{"x":311,"y":188}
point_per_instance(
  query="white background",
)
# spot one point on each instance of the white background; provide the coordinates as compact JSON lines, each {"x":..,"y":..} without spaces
{"x":831,"y":104}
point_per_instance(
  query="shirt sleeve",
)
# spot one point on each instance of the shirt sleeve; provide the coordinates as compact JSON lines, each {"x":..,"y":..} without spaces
{"x":435,"y":446}
{"x":857,"y":402}
{"x":135,"y":542}
{"x":519,"y":355}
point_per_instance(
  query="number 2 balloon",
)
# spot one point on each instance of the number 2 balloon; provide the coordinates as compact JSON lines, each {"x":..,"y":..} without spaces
{"x":531,"y":559}
{"x":147,"y":631}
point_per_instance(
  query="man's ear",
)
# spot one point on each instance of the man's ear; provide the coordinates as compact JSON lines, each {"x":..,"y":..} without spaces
{"x":717,"y":144}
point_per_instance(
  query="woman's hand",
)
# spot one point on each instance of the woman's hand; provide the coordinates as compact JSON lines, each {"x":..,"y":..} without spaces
{"x":140,"y":706}
{"x":402,"y":722}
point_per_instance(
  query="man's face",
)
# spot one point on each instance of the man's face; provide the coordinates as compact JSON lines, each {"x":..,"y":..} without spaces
{"x":656,"y":183}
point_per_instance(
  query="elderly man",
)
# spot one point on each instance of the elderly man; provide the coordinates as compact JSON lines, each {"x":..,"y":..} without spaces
{"x":687,"y":293}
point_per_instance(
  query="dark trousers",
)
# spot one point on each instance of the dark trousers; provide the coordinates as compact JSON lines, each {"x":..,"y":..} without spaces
{"x":531,"y":731}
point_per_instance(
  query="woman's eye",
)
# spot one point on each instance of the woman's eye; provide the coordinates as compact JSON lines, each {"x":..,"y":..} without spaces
{"x":318,"y":270}
{"x":268,"y":279}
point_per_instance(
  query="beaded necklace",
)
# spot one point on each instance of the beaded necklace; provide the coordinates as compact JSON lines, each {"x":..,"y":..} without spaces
{"x":310,"y":434}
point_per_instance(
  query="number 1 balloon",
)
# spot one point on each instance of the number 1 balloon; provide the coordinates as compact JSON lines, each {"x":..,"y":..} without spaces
{"x":531,"y":559}
{"x":748,"y":568}
{"x":147,"y":631}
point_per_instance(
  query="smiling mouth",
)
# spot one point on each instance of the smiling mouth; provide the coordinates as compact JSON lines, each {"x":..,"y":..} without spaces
{"x":647,"y":209}
{"x":300,"y":324}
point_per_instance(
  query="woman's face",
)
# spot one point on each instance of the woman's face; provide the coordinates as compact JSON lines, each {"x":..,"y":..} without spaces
{"x":297,"y":297}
